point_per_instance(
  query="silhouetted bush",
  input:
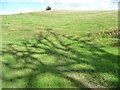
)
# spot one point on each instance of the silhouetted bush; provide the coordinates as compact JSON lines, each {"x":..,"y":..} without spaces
{"x":48,"y":8}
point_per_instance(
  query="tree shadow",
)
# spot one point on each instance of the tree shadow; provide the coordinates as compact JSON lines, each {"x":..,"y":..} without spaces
{"x":26,"y":57}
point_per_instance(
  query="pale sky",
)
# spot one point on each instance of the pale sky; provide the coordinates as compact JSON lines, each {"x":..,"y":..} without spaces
{"x":17,"y":6}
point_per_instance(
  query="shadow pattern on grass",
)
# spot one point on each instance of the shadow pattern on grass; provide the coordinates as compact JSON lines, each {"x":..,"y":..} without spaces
{"x":65,"y":48}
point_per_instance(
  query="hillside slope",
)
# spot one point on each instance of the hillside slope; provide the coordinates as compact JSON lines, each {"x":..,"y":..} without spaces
{"x":60,"y":49}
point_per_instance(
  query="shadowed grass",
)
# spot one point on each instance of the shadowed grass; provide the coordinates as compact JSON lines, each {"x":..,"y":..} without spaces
{"x":75,"y":52}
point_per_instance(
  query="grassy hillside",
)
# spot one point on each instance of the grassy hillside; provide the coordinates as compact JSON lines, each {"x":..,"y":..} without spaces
{"x":60,"y":49}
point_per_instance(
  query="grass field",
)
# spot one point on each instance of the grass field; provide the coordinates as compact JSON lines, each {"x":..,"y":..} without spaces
{"x":60,"y":49}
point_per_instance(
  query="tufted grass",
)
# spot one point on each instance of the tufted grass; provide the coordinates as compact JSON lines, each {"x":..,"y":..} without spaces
{"x":60,"y":49}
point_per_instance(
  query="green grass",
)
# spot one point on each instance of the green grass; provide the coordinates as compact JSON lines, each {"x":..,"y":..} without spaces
{"x":60,"y":49}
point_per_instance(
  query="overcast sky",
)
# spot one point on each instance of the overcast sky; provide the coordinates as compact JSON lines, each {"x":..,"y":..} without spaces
{"x":17,"y":6}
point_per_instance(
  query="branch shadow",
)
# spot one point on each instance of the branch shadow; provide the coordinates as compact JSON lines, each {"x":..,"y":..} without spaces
{"x":26,"y":57}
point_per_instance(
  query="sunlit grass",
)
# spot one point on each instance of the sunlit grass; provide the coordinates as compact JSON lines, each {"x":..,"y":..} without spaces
{"x":60,"y":49}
